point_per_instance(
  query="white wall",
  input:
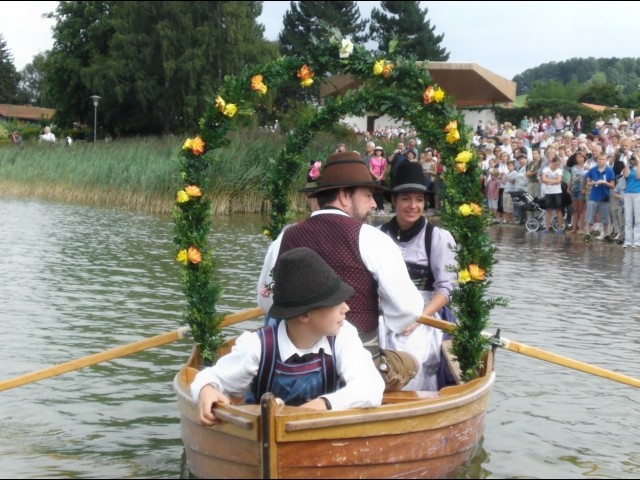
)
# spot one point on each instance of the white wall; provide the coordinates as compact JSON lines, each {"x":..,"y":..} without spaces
{"x":470,"y":119}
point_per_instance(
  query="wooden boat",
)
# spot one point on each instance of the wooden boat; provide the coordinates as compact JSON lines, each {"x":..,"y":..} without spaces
{"x":412,"y":435}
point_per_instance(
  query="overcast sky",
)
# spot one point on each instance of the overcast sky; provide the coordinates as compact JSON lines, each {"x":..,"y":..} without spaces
{"x":504,"y":37}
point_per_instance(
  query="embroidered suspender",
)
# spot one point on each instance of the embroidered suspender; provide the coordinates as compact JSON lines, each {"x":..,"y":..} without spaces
{"x":270,"y":357}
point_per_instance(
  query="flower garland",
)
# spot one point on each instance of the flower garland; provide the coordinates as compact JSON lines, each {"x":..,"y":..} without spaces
{"x":397,"y":86}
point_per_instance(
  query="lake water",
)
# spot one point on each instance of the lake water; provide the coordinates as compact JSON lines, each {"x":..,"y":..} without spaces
{"x":78,"y":280}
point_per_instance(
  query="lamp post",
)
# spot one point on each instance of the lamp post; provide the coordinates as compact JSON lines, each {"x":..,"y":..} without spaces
{"x":95,"y":99}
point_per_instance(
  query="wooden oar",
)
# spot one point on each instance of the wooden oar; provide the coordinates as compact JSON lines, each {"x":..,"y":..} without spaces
{"x":121,"y":351}
{"x":540,"y":354}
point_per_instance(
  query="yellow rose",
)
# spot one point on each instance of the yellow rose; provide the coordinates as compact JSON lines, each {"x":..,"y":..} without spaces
{"x":452,"y":125}
{"x":182,"y":197}
{"x":464,"y":157}
{"x":305,"y":72}
{"x":463,"y":276}
{"x":230,"y":110}
{"x":461,"y":167}
{"x":465,"y":210}
{"x":378,"y":67}
{"x":182,"y":256}
{"x":194,"y":255}
{"x":258,"y":85}
{"x":386,"y":71}
{"x":220,"y":103}
{"x":453,"y":136}
{"x":197,"y":146}
{"x":187,"y":144}
{"x":438,"y":95}
{"x":193,"y":191}
{"x":476,"y":273}
{"x":307,"y":82}
{"x":476,"y":209}
{"x":427,"y":96}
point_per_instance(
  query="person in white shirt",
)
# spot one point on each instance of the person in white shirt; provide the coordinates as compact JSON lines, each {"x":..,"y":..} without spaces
{"x":48,"y":136}
{"x":362,"y":255}
{"x":552,"y":179}
{"x":312,"y":358}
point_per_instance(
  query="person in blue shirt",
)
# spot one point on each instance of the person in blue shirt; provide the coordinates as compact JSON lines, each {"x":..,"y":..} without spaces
{"x":601,"y":179}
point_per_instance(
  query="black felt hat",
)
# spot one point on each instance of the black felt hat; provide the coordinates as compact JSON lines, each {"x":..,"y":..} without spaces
{"x":310,"y":187}
{"x":408,"y":178}
{"x":302,"y":281}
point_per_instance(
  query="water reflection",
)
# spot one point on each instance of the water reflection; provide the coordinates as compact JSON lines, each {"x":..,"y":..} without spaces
{"x":79,"y":280}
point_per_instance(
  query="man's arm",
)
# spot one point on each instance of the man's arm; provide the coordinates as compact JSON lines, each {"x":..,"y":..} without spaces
{"x":265,"y":280}
{"x":363,"y":384}
{"x":400,"y":301}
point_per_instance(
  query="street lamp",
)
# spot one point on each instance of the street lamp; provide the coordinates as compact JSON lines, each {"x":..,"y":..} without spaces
{"x":95,"y":99}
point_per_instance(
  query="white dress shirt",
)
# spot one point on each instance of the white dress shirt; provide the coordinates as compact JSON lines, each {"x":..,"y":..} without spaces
{"x":234,"y":372}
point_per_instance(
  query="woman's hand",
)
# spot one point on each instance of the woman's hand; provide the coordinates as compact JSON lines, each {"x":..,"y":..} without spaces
{"x":409,"y":330}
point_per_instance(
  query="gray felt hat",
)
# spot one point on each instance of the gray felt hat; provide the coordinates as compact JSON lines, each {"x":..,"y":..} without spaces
{"x":302,"y":281}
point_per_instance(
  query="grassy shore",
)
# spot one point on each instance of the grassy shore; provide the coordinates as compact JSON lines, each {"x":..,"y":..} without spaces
{"x":140,"y":174}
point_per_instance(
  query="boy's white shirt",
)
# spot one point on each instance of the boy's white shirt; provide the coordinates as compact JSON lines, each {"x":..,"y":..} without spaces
{"x":234,"y":372}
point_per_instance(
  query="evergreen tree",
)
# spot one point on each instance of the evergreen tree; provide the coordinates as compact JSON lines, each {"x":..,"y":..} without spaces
{"x":9,"y":77}
{"x":407,"y":23}
{"x":306,"y":18}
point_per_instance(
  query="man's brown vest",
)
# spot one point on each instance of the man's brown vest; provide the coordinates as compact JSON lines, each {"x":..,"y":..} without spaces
{"x":336,"y":239}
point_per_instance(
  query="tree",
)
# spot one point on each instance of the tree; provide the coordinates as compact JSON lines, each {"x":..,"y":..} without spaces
{"x":554,"y":89}
{"x":9,"y":77}
{"x":31,"y":87}
{"x":166,"y":59}
{"x":306,"y":18}
{"x":407,"y":23}
{"x":602,"y":94}
{"x":81,"y":39}
{"x":155,"y":64}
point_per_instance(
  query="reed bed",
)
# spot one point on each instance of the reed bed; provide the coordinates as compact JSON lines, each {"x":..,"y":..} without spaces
{"x":140,"y":174}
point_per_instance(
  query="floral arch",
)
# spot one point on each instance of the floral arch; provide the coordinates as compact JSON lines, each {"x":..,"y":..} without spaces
{"x":392,"y":84}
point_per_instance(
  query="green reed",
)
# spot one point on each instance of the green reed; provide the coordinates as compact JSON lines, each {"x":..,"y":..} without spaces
{"x":141,"y":173}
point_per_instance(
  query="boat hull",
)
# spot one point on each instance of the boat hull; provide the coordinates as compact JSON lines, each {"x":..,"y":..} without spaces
{"x":412,"y":435}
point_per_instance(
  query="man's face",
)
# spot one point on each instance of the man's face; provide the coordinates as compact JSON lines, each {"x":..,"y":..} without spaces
{"x":362,"y":203}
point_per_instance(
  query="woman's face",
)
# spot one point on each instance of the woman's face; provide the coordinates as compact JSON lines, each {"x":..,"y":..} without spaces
{"x":409,"y":208}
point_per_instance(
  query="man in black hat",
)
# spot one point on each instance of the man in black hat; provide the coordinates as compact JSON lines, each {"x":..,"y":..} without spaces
{"x":304,"y":359}
{"x":361,"y":255}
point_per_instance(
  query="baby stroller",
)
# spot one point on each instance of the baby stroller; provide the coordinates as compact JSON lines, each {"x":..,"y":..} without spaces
{"x":536,"y":207}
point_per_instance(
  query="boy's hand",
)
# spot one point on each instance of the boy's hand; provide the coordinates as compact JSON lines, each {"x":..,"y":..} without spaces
{"x":207,"y":399}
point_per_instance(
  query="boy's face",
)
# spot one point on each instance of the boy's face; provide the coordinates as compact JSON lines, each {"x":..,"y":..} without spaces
{"x":327,"y":321}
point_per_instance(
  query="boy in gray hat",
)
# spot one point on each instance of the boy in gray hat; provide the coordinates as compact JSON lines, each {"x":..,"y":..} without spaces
{"x":313,"y":358}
